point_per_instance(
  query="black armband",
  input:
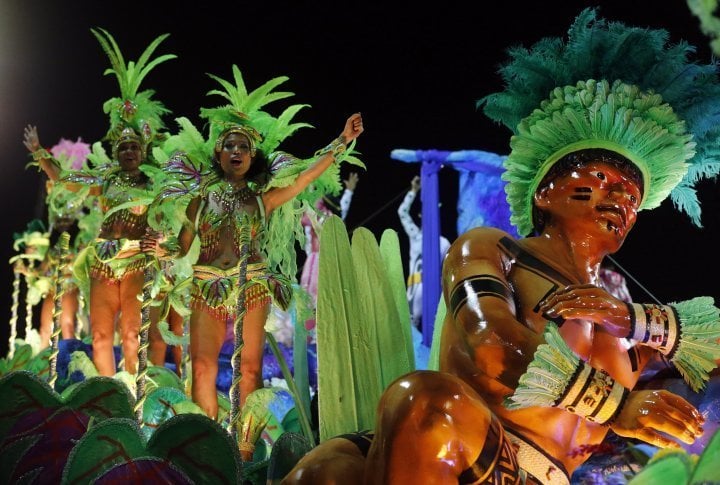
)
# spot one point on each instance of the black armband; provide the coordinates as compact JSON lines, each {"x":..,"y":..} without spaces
{"x":475,"y":287}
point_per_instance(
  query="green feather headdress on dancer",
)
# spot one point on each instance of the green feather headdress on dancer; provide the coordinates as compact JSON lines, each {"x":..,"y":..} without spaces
{"x":189,"y":158}
{"x":627,"y":90}
{"x":133,"y":116}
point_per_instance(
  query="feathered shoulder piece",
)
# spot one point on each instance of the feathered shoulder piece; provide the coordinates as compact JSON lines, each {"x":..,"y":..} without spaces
{"x":612,"y":86}
{"x":133,"y":109}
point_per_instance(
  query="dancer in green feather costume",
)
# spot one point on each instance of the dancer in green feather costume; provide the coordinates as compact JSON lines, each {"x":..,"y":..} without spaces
{"x":242,"y":199}
{"x":110,"y":269}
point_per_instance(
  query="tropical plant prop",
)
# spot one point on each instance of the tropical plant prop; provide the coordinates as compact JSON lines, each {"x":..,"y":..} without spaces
{"x":302,"y":407}
{"x":288,"y":450}
{"x":189,"y":448}
{"x":300,"y":311}
{"x":434,"y":360}
{"x":681,"y":468}
{"x":164,"y":403}
{"x":39,"y":445}
{"x":254,"y":417}
{"x":24,"y":392}
{"x":358,"y":342}
{"x":23,"y":359}
{"x":37,"y":422}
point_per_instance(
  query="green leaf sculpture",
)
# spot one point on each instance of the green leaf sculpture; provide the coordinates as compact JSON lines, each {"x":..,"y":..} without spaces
{"x":191,"y":443}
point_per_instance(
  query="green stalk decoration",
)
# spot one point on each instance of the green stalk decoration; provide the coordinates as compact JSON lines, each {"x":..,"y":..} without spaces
{"x":300,"y":363}
{"x":14,"y":314}
{"x":63,"y":248}
{"x":28,"y":305}
{"x":185,"y":359}
{"x":149,"y":277}
{"x":303,"y":412}
{"x":240,"y":310}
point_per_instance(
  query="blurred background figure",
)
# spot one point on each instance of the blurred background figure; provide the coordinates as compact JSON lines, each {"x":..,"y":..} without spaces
{"x":414,"y":233}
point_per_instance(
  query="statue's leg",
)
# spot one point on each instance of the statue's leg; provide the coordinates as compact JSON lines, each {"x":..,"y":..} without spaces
{"x":337,"y":461}
{"x":434,"y":428}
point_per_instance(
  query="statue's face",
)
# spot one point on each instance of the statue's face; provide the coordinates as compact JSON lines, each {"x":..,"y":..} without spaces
{"x":597,"y":198}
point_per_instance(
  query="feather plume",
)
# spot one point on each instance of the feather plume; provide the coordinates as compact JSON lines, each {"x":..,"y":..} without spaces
{"x":133,"y":108}
{"x":548,"y":375}
{"x":699,"y":349}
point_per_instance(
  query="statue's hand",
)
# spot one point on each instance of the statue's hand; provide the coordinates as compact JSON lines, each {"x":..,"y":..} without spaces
{"x":650,"y":415}
{"x":589,"y":302}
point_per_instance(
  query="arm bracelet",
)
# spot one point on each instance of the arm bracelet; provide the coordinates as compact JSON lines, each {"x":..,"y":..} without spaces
{"x":593,"y":395}
{"x":336,"y":148}
{"x":687,"y":332}
{"x":656,"y":326}
{"x":41,"y":154}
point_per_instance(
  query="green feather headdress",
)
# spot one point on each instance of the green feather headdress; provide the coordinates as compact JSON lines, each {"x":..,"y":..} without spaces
{"x":33,"y":242}
{"x":134,"y":111}
{"x":615,"y":87}
{"x":245,"y":110}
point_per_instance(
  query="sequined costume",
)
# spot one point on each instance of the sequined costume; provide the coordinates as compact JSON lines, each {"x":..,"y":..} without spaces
{"x":113,"y":259}
{"x":53,"y":259}
{"x":224,"y":209}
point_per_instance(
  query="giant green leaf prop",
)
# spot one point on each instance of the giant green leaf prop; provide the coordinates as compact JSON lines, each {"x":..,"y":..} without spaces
{"x":359,"y":328}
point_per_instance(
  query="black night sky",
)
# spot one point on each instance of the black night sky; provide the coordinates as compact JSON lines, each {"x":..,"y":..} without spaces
{"x":414,"y":72}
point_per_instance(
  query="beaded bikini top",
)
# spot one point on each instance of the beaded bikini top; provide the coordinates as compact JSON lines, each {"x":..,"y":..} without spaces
{"x":120,"y":188}
{"x":226,"y":209}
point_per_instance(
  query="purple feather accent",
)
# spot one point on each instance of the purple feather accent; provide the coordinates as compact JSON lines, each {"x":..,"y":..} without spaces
{"x":74,"y":151}
{"x":180,"y":165}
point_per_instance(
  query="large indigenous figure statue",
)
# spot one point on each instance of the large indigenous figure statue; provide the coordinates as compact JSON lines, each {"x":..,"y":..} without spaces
{"x":536,"y":358}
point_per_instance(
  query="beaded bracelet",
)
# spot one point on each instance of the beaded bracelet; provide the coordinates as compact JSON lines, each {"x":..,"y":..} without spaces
{"x":656,"y":326}
{"x":557,"y":377}
{"x":336,"y":147}
{"x":41,"y":154}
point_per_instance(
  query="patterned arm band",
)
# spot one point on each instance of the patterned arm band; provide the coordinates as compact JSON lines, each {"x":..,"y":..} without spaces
{"x":557,"y":378}
{"x":336,"y":148}
{"x":656,"y":326}
{"x":469,"y":290}
{"x":594,"y":395}
{"x":687,"y":332}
